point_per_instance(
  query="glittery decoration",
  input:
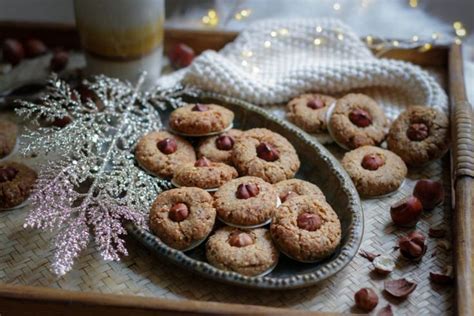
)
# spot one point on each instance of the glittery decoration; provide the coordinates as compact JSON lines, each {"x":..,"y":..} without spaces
{"x":90,"y":183}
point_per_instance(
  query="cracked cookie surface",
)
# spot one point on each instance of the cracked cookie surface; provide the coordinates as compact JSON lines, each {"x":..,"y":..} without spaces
{"x":301,"y":244}
{"x":308,"y":111}
{"x":250,"y":260}
{"x":288,"y":189}
{"x":248,"y":163}
{"x":206,"y":177}
{"x":16,"y":182}
{"x":350,"y":135}
{"x":183,"y":234}
{"x":417,"y":152}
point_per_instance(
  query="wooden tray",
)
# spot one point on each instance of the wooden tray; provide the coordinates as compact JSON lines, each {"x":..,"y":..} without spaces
{"x":19,"y":300}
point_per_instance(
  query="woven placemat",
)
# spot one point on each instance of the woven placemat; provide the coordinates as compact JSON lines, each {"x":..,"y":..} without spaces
{"x":25,"y":255}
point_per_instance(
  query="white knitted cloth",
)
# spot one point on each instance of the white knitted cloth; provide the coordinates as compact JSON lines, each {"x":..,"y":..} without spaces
{"x":274,"y":60}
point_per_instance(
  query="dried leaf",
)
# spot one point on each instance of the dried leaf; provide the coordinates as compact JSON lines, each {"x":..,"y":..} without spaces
{"x":437,"y":232}
{"x":368,"y":255}
{"x":399,"y":288}
{"x":386,"y":311}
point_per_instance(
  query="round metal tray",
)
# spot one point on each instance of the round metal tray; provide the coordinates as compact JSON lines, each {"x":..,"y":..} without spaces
{"x":318,"y":166}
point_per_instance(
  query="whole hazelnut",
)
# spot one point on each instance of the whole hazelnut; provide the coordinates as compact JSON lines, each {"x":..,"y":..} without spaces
{"x":413,"y":246}
{"x":59,"y":60}
{"x":200,"y":108}
{"x":417,"y":131}
{"x":7,"y":174}
{"x":429,"y":192}
{"x":181,"y":55}
{"x":167,"y":146}
{"x":315,"y":104}
{"x":309,"y":221}
{"x":12,"y":50}
{"x":266,"y":152}
{"x":406,"y":212}
{"x":246,"y":191}
{"x":366,"y":299}
{"x":179,"y":212}
{"x":288,"y":195}
{"x":34,"y":48}
{"x":224,"y":142}
{"x":372,"y":162}
{"x":202,"y":162}
{"x":240,"y":239}
{"x":360,"y":118}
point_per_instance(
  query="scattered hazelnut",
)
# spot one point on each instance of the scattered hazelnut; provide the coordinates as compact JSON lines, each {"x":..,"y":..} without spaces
{"x":288,"y":195}
{"x":315,"y":104}
{"x":34,"y":48}
{"x":200,"y":108}
{"x":360,"y":118}
{"x":7,"y":174}
{"x":417,"y":132}
{"x":224,"y":142}
{"x":240,"y":239}
{"x":368,"y":255}
{"x":437,"y":232}
{"x":246,"y":191}
{"x":406,"y":212}
{"x":12,"y":50}
{"x":366,"y":299}
{"x":181,"y":55}
{"x":59,"y":60}
{"x":413,"y":246}
{"x":202,"y":162}
{"x":309,"y":221}
{"x":386,"y":311}
{"x":399,"y":288}
{"x":167,"y":146}
{"x":383,"y":265}
{"x":179,"y":212}
{"x":372,"y":162}
{"x":429,"y":192}
{"x":442,"y":278}
{"x":267,"y":152}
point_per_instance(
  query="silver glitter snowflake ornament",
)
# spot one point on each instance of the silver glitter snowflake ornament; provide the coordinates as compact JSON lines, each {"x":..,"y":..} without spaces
{"x":89,"y":183}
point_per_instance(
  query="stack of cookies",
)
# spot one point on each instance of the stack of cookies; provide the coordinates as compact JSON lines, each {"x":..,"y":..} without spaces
{"x":358,"y":124}
{"x":237,"y":187}
{"x":16,"y":179}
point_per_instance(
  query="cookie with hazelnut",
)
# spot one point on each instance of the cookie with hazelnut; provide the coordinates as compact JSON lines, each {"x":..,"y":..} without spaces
{"x":306,"y":229}
{"x":219,"y":148}
{"x":374,"y":171}
{"x":288,"y":189}
{"x":201,"y":119}
{"x":262,"y":153}
{"x":16,"y":182}
{"x":182,"y":218}
{"x":161,"y":153}
{"x":248,"y":252}
{"x":419,"y":135}
{"x":308,"y":111}
{"x":204,"y":174}
{"x":8,"y":136}
{"x":357,"y":120}
{"x":245,"y":202}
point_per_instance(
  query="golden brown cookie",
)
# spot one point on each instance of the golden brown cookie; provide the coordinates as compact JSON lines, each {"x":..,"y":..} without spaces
{"x":8,"y":136}
{"x":219,"y":148}
{"x":374,"y":171}
{"x":246,"y":201}
{"x":200,"y":119}
{"x":204,"y":174}
{"x":262,"y":153}
{"x":289,"y":189}
{"x":357,"y":120}
{"x":248,"y":252}
{"x":306,"y":228}
{"x":419,"y":135}
{"x":16,"y":182}
{"x":161,"y":153}
{"x":183,"y":217}
{"x":308,"y":111}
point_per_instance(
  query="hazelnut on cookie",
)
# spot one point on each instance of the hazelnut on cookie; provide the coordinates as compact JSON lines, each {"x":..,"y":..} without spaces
{"x":16,"y":182}
{"x":219,"y":148}
{"x":419,"y":135}
{"x":357,"y":120}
